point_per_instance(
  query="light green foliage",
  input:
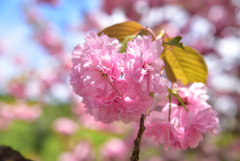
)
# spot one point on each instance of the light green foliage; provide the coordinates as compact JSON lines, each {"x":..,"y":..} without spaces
{"x":124,"y":43}
{"x":175,"y":42}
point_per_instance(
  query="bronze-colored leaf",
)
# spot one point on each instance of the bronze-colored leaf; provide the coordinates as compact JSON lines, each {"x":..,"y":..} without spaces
{"x":121,"y":30}
{"x":169,"y":71}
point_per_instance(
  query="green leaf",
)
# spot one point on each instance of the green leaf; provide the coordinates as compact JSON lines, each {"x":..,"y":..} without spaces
{"x":121,"y":30}
{"x":176,"y":42}
{"x":168,"y":70}
{"x":185,"y":65}
{"x":126,"y":40}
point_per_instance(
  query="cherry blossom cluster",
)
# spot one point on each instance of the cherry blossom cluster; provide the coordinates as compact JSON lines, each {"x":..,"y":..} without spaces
{"x":120,"y":87}
{"x":116,"y":86}
{"x":184,"y":128}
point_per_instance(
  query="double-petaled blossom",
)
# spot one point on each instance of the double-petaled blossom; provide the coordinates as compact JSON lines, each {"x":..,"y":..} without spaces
{"x":102,"y":76}
{"x":95,"y":66}
{"x":120,"y":109}
{"x":143,"y":66}
{"x":185,"y":128}
{"x":96,"y":76}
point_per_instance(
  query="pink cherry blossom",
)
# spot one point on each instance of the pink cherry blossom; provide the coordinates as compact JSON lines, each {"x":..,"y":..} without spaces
{"x":64,"y":126}
{"x":78,"y":109}
{"x":50,"y":41}
{"x":17,"y":88}
{"x":160,"y":130}
{"x":143,"y":66}
{"x":184,"y":129}
{"x":4,"y":122}
{"x":81,"y":152}
{"x":18,"y":111}
{"x":120,"y":109}
{"x":114,"y":149}
{"x":95,"y":66}
{"x":69,"y":156}
{"x":50,"y":2}
{"x":98,"y":76}
{"x":160,"y":100}
{"x":89,"y":122}
{"x":27,"y":113}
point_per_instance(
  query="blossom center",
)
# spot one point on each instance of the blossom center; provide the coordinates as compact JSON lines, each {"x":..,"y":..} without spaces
{"x":147,"y":67}
{"x":184,"y":101}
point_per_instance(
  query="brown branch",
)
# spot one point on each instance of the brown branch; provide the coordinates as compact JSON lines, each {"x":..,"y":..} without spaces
{"x":136,"y":150}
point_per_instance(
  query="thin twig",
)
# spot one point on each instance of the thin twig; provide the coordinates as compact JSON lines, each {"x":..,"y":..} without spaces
{"x":136,"y":150}
{"x":180,"y":100}
{"x":114,"y":88}
{"x":152,"y":33}
{"x":170,"y":101}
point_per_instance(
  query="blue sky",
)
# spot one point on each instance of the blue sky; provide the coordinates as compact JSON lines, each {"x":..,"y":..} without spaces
{"x":16,"y":34}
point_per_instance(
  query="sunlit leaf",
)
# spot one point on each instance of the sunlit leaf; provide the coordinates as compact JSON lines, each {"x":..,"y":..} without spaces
{"x":185,"y":65}
{"x":168,"y":70}
{"x":126,"y":40}
{"x":121,"y":30}
{"x":176,"y":42}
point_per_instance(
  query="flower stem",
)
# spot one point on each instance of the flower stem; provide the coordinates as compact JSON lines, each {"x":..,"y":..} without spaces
{"x":169,"y":112}
{"x":178,"y":97}
{"x":152,"y":33}
{"x":114,"y":88}
{"x":180,"y":100}
{"x":137,"y":141}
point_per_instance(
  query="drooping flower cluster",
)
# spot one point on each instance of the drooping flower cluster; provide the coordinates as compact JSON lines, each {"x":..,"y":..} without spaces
{"x":116,"y":86}
{"x":184,"y":129}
